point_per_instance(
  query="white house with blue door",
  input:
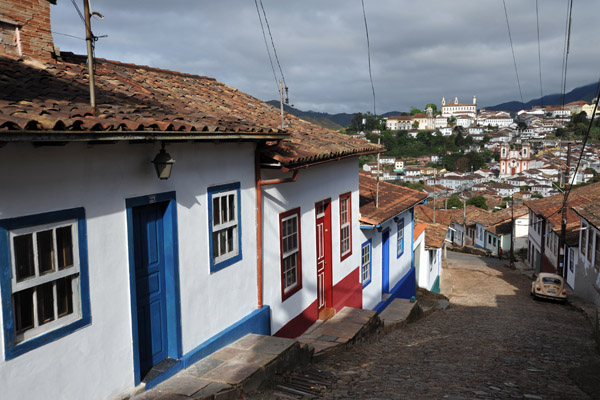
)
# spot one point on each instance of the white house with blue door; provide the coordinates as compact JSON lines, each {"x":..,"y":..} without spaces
{"x":386,"y":237}
{"x":111,"y":278}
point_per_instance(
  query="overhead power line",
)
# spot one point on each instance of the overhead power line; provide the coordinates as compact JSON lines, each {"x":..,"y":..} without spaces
{"x":273,"y":43}
{"x":78,"y":11}
{"x":566,"y":50}
{"x":513,"y":52}
{"x":537,"y":19}
{"x":369,"y":56}
{"x":267,"y":45}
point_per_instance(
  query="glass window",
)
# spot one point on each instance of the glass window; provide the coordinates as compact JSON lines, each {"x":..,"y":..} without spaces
{"x":345,"y":226}
{"x":291,"y":272}
{"x":366,"y":263}
{"x":47,"y":285}
{"x":583,"y":233}
{"x":224,"y":215}
{"x":400,"y":243}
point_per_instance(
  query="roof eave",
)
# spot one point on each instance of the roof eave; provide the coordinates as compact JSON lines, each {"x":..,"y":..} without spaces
{"x":103,"y":136}
{"x":301,"y":165}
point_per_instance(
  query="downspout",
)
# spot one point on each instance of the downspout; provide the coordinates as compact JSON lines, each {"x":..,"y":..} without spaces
{"x":259,"y":183}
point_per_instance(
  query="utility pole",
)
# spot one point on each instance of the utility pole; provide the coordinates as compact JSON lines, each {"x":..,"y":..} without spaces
{"x":377,"y":191}
{"x":563,"y":224}
{"x":89,"y":37}
{"x":281,"y":104}
{"x":464,"y":239}
{"x":434,"y":195}
{"x":512,"y":230}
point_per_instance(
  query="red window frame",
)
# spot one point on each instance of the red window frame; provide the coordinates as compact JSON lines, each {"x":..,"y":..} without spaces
{"x":343,"y":197}
{"x":285,"y":294}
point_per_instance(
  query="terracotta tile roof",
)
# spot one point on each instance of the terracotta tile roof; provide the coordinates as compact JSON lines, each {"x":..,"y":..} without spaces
{"x":550,"y":207}
{"x":435,"y":234}
{"x":590,"y":212}
{"x":393,"y":199}
{"x":46,"y":100}
{"x":499,"y":229}
{"x":419,"y":228}
{"x":424,"y":213}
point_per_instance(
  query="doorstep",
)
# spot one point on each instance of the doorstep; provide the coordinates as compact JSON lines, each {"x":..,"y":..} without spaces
{"x":239,"y":367}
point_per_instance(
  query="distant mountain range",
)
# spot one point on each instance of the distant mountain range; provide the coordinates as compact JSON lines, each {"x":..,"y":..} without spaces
{"x":587,"y":93}
{"x":341,"y":120}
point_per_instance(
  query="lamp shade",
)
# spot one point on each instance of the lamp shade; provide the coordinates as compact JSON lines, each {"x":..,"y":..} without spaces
{"x":163,"y":163}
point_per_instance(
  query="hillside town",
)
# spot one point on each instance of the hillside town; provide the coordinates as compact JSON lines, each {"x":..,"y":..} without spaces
{"x":166,"y":235}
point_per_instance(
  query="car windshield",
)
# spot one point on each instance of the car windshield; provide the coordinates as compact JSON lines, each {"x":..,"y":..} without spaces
{"x":555,"y":281}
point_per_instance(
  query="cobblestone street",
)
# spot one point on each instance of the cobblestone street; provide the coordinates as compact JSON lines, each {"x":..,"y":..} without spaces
{"x":494,"y":341}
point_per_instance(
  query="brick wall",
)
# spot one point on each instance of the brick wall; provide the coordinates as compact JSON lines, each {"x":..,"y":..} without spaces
{"x":32,"y":18}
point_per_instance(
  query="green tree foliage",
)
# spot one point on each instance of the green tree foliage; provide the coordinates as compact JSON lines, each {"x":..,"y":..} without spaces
{"x":414,"y":111}
{"x":537,"y":196}
{"x":356,"y":124}
{"x":521,"y":126}
{"x":478,"y":201}
{"x":433,"y":107}
{"x":454,"y":202}
{"x":465,"y":162}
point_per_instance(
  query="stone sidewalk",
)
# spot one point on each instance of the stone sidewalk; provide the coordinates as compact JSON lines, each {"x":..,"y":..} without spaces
{"x":246,"y":364}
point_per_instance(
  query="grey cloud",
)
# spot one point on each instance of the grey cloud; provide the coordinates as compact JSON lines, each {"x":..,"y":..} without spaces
{"x":420,"y":51}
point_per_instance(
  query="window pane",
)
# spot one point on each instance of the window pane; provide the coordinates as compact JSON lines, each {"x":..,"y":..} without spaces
{"x":45,"y":252}
{"x":216,"y":211}
{"x":23,"y":310}
{"x":222,"y":242}
{"x":45,"y":303}
{"x":215,"y":244}
{"x":230,"y":239}
{"x":231,"y":207}
{"x":224,"y":209}
{"x":64,"y":245}
{"x":64,"y":296}
{"x":23,"y":247}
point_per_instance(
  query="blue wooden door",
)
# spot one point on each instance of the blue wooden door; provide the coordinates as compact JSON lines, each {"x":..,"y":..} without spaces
{"x":150,"y":285}
{"x":385,"y":261}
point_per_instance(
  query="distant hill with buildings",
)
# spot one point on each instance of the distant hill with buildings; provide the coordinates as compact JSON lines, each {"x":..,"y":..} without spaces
{"x":331,"y":121}
{"x":587,"y":93}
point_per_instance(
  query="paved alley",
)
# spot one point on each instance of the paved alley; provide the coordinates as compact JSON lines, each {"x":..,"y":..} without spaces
{"x":494,"y":341}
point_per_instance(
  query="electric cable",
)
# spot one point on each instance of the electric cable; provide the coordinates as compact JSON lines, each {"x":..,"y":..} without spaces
{"x":567,"y":46}
{"x":65,"y":34}
{"x":513,"y":52}
{"x":267,"y":45}
{"x":369,"y":56}
{"x":537,"y":19}
{"x":273,"y":43}
{"x":78,"y":11}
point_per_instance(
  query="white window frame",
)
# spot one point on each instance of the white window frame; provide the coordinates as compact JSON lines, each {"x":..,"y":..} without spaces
{"x":39,"y":280}
{"x":294,"y":252}
{"x":365,"y":266}
{"x":400,"y":239}
{"x":345,"y":239}
{"x":224,"y":226}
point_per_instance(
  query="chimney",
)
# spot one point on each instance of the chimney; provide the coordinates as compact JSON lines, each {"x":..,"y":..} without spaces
{"x":25,"y":29}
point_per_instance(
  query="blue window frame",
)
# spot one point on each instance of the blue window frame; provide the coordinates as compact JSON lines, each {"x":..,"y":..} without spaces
{"x":225,"y":225}
{"x":365,"y":264}
{"x":43,"y":278}
{"x":400,"y":239}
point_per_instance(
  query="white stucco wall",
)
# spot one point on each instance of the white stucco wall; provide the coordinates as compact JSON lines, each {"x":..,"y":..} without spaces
{"x":587,"y":276}
{"x":97,"y":360}
{"x":326,"y":181}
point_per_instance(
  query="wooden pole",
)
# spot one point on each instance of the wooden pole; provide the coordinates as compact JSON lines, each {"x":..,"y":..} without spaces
{"x":90,"y":53}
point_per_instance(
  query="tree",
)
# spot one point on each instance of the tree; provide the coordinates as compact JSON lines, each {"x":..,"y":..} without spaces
{"x":356,"y":124}
{"x":414,"y":111}
{"x":415,"y":125}
{"x":433,"y":107}
{"x":579,"y":118}
{"x":521,"y":126}
{"x":454,"y":202}
{"x":478,"y":201}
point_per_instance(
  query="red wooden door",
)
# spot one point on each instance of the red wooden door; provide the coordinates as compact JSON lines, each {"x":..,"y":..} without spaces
{"x":324,"y":279}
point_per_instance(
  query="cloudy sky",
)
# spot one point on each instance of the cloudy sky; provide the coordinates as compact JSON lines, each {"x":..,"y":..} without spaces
{"x":420,"y":50}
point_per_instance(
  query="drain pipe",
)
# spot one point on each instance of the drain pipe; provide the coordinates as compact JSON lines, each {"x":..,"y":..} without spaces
{"x":259,"y":224}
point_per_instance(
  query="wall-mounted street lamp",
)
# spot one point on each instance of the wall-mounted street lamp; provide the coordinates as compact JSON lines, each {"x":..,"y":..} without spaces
{"x":163,"y":163}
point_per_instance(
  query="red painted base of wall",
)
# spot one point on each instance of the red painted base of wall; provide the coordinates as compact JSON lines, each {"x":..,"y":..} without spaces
{"x":347,"y":293}
{"x":300,"y":323}
{"x":546,"y":265}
